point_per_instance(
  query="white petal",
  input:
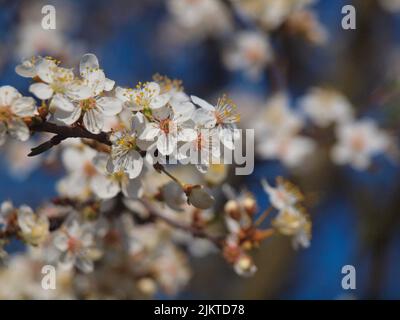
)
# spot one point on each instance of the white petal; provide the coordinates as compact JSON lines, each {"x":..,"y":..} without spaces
{"x":138,"y":123}
{"x":18,"y":129}
{"x":104,"y":188}
{"x":26,"y":69}
{"x":226,"y":137}
{"x":109,"y":106}
{"x":88,"y":62}
{"x":159,"y":101}
{"x":62,"y":103}
{"x":109,"y":84}
{"x":74,"y":229}
{"x":45,"y":69}
{"x":61,"y":241}
{"x":41,"y":90}
{"x":8,"y":94}
{"x":150,"y":132}
{"x":124,"y":94}
{"x":153,"y":88}
{"x":202,"y":103}
{"x":96,"y":80}
{"x":67,"y":117}
{"x":134,"y":165}
{"x":166,"y":144}
{"x":182,"y":110}
{"x":24,"y":107}
{"x":93,"y":121}
{"x":204,"y":119}
{"x":78,"y":91}
{"x":162,"y":113}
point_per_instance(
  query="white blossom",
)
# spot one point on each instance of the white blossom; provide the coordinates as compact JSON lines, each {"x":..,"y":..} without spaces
{"x":13,"y":108}
{"x":326,"y":106}
{"x":93,"y":106}
{"x":358,"y":142}
{"x":77,"y":246}
{"x":250,"y":52}
{"x":223,"y":117}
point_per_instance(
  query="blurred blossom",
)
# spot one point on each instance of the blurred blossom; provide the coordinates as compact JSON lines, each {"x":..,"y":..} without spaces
{"x":358,"y":142}
{"x":326,"y":106}
{"x":250,"y":52}
{"x":200,"y":18}
{"x":271,"y":13}
{"x":392,"y":6}
{"x":32,"y":39}
{"x":280,"y":125}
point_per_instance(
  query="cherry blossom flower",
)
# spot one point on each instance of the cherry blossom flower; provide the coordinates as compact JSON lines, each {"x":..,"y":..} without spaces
{"x":7,"y":214}
{"x":125,"y":156}
{"x":200,"y":18}
{"x":76,"y":245}
{"x":202,"y":151}
{"x":326,"y":106}
{"x":13,"y":108}
{"x":145,"y":97}
{"x":223,"y":116}
{"x":34,"y":228}
{"x":271,"y":13}
{"x":250,"y":53}
{"x":93,"y":106}
{"x":168,"y":128}
{"x":106,"y":184}
{"x":57,"y":81}
{"x":291,"y":150}
{"x":292,"y":222}
{"x":278,"y":118}
{"x":284,"y":195}
{"x":358,"y":142}
{"x":244,"y":266}
{"x":78,"y":162}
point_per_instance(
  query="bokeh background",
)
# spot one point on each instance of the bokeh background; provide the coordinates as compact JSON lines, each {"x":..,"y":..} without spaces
{"x":356,"y":216}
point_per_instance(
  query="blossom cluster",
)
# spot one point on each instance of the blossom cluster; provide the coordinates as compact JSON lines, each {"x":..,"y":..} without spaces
{"x":292,"y":140}
{"x":117,"y":208}
{"x":249,"y":48}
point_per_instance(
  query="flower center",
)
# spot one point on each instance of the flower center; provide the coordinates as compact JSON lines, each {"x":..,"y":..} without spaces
{"x":128,"y":142}
{"x":73,"y":244}
{"x":165,"y":126}
{"x":5,"y":113}
{"x":254,"y":53}
{"x":118,"y":176}
{"x":89,"y":169}
{"x":88,"y":104}
{"x":358,"y":142}
{"x":226,"y":111}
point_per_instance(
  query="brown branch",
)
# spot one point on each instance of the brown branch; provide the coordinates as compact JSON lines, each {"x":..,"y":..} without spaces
{"x":62,"y":133}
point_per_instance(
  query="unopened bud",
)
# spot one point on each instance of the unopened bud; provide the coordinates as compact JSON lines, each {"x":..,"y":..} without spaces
{"x":199,"y":197}
{"x":250,"y":205}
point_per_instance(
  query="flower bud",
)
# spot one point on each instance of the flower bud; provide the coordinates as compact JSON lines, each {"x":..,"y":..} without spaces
{"x":244,"y":266}
{"x":147,"y":286}
{"x":250,"y":205}
{"x":199,"y":197}
{"x":232,"y":209}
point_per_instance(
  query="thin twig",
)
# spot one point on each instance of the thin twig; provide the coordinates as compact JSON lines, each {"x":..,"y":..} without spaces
{"x":196,"y":232}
